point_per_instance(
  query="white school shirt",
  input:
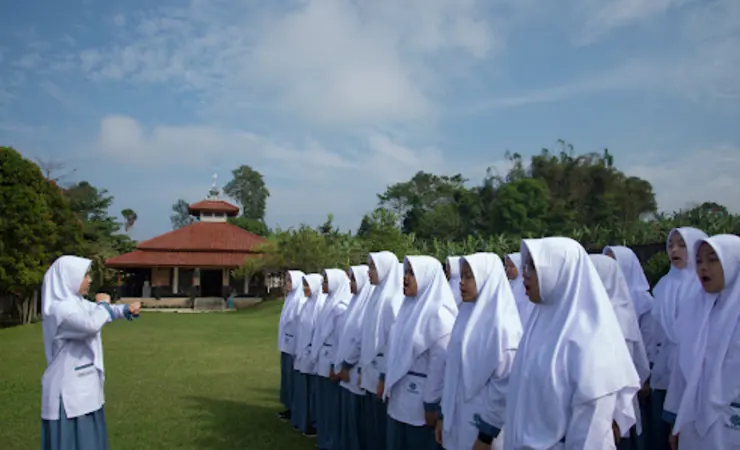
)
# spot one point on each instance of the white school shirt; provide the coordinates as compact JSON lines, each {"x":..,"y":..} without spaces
{"x":72,"y":375}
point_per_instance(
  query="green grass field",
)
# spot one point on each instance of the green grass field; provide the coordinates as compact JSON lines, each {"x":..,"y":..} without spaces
{"x":173,"y":381}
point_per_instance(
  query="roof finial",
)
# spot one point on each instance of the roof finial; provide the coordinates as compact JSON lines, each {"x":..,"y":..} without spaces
{"x":213,"y":194}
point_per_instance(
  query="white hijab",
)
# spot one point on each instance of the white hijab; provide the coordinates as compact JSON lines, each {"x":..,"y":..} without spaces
{"x":61,"y":298}
{"x":310,"y":312}
{"x":423,"y":319}
{"x":492,"y":330}
{"x":386,"y":297}
{"x":352,"y":329}
{"x":636,"y":280}
{"x":575,"y":334}
{"x":453,"y":262}
{"x":711,"y":373}
{"x":294,"y":302}
{"x":676,"y":285}
{"x":336,"y":303}
{"x":619,"y":294}
{"x":523,"y":305}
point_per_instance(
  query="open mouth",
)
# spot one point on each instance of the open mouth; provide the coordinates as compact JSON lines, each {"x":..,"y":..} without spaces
{"x":675,"y":258}
{"x":705,"y":279}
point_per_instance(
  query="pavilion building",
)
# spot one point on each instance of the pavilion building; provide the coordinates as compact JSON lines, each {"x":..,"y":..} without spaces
{"x":193,"y":261}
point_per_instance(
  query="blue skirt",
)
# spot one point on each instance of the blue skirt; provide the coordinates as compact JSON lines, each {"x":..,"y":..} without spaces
{"x":328,"y":414}
{"x":301,"y":413}
{"x":286,"y":378}
{"x":375,"y":416}
{"x":88,"y":432}
{"x":352,"y":426}
{"x":402,"y":436}
{"x":659,"y":430}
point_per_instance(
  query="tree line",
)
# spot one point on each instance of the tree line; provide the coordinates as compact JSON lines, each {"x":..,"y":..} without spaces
{"x":41,"y":218}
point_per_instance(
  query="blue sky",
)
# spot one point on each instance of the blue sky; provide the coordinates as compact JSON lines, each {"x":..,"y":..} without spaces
{"x":332,"y":100}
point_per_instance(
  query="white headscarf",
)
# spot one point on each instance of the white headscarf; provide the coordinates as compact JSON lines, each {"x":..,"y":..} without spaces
{"x":423,"y":319}
{"x":294,"y":301}
{"x":383,"y":304}
{"x":574,"y":334}
{"x":677,"y":284}
{"x":61,"y":298}
{"x":453,"y":262}
{"x":636,"y":280}
{"x":352,"y":329}
{"x":712,"y":381}
{"x":336,"y":303}
{"x":523,"y":305}
{"x":492,"y":329}
{"x":310,"y":312}
{"x":619,"y":294}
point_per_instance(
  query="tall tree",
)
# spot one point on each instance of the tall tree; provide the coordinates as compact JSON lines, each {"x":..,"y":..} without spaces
{"x":248,"y":188}
{"x":181,"y":217}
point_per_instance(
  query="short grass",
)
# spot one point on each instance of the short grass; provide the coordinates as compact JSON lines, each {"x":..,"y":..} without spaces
{"x":173,"y":381}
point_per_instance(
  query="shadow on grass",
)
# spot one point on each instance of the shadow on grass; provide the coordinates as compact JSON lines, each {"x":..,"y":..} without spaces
{"x":229,"y":425}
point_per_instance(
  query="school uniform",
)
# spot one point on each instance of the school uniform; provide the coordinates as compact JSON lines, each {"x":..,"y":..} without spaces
{"x":417,"y":353}
{"x":303,"y":405}
{"x":287,"y":330}
{"x":616,"y":287}
{"x":669,"y":294}
{"x":703,"y":399}
{"x":379,"y":317}
{"x":573,"y":375}
{"x":326,"y":339}
{"x":523,"y":305}
{"x":453,"y":262}
{"x":72,"y":396}
{"x":348,"y":355}
{"x":480,"y":356}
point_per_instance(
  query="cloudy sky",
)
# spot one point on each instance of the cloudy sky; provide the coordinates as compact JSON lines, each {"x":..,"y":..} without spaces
{"x":334,"y":99}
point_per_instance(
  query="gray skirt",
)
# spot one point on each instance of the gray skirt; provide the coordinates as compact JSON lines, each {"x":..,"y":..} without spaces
{"x":88,"y":432}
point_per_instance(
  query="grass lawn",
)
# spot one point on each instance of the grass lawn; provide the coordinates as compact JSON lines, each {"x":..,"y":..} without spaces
{"x":173,"y":381}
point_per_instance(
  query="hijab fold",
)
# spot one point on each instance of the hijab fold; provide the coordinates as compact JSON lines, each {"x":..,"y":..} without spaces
{"x":453,"y":262}
{"x":711,"y":371}
{"x":572,"y":352}
{"x":335,"y":304}
{"x":382,"y":306}
{"x":523,"y":305}
{"x":423,"y":319}
{"x":634,"y":275}
{"x":352,"y":328}
{"x":310,"y":312}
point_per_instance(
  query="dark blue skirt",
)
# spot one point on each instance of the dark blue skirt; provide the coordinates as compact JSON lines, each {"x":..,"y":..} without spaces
{"x":88,"y":432}
{"x":352,"y":425}
{"x":375,"y":418}
{"x":328,"y":414}
{"x":286,"y":379}
{"x":402,"y":436}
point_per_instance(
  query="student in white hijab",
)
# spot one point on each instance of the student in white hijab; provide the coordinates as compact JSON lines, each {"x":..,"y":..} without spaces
{"x":573,"y":379}
{"x":303,"y":410}
{"x":704,"y":393}
{"x":452,"y":272}
{"x":348,"y":354}
{"x":480,"y":356}
{"x":619,"y":294}
{"x":72,"y":396}
{"x":324,"y":348}
{"x":418,"y":349}
{"x":513,"y":265}
{"x":386,"y":275}
{"x":287,"y":328}
{"x":679,"y":284}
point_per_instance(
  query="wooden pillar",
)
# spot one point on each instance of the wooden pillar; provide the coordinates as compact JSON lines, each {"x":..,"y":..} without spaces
{"x":175,"y":280}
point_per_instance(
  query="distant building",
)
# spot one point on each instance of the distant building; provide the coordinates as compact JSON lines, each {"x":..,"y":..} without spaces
{"x":193,"y":261}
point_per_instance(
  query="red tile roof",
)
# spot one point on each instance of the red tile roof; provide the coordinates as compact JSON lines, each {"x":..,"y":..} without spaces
{"x":150,"y":258}
{"x":213,"y":206}
{"x":201,"y":244}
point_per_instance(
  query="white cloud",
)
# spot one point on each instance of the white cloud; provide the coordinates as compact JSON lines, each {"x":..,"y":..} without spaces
{"x":602,"y":16}
{"x":704,"y":174}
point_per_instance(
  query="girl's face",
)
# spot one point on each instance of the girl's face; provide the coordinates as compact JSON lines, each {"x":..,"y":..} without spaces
{"x":325,"y":284}
{"x":373,"y":273}
{"x":709,"y":269}
{"x":288,"y":285}
{"x":410,"y":289}
{"x":677,"y":251}
{"x":610,"y":254}
{"x":448,"y":272}
{"x":468,"y":288}
{"x":531,"y":283}
{"x":306,"y":289}
{"x":511,"y":270}
{"x":352,"y":283}
{"x":85,"y":285}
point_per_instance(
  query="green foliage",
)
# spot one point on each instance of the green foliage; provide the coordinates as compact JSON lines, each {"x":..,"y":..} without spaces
{"x":181,"y":215}
{"x":248,"y":188}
